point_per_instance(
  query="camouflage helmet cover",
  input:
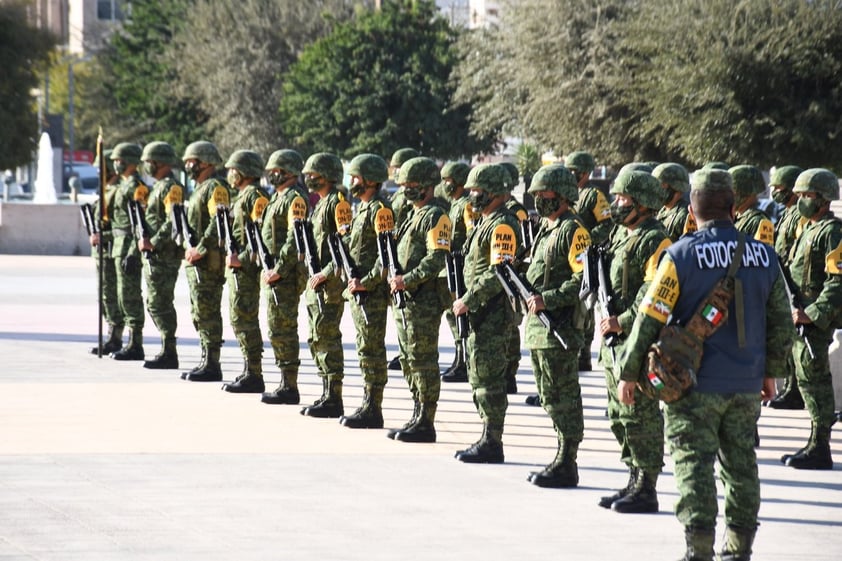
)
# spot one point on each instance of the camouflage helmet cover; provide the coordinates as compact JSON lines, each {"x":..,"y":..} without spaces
{"x":643,"y":187}
{"x":247,"y":162}
{"x":420,"y":170}
{"x":556,"y":178}
{"x":513,"y":172}
{"x":748,"y":180}
{"x":716,"y":165}
{"x":457,"y":171}
{"x":402,"y":155}
{"x":785,"y":176}
{"x":288,"y":160}
{"x":492,"y":178}
{"x":128,"y":152}
{"x":674,"y":175}
{"x":818,"y":180}
{"x":325,"y":164}
{"x":162,"y":152}
{"x":370,"y":167}
{"x":580,"y":161}
{"x":636,"y":166}
{"x":203,"y":151}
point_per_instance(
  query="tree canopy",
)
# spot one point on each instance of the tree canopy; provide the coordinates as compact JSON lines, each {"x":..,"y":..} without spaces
{"x":378,"y":83}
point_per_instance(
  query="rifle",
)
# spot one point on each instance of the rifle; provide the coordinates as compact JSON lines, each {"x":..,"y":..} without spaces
{"x":528,"y":231}
{"x":223,"y":231}
{"x":795,"y":303}
{"x":88,"y":219}
{"x":590,"y":278}
{"x":258,"y":249}
{"x":389,"y":258}
{"x":343,"y":263}
{"x":305,"y":242}
{"x":518,"y":288}
{"x":141,"y":230}
{"x":455,"y":264}
{"x":182,"y":233}
{"x":605,"y":298}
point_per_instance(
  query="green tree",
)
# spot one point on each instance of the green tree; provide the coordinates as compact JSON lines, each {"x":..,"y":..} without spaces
{"x":378,"y":83}
{"x":23,"y":50}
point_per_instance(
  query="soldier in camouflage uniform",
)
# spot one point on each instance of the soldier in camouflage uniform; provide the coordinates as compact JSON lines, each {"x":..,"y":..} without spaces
{"x":816,"y":269}
{"x":490,"y":315}
{"x":748,"y":184}
{"x":159,"y":159}
{"x":462,"y":218}
{"x":285,"y":283}
{"x":124,"y":251}
{"x":718,"y":419}
{"x":592,"y":208}
{"x":205,"y":259}
{"x":325,"y":305}
{"x":634,"y":252}
{"x":675,"y":215}
{"x":423,"y":241}
{"x":368,"y":172}
{"x":245,"y":168}
{"x":555,"y":271}
{"x":110,"y":306}
{"x":787,"y":229}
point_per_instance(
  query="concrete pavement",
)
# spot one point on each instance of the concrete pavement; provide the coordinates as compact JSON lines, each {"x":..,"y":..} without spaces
{"x":105,"y":460}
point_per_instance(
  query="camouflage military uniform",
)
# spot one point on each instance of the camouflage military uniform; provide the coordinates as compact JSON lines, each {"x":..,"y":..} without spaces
{"x":677,"y":220}
{"x":110,"y":303}
{"x":401,"y":207}
{"x":513,"y":348}
{"x":462,"y":219}
{"x":756,"y":224}
{"x":787,"y":230}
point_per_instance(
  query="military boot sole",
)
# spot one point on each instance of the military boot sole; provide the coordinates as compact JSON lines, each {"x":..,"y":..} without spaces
{"x":324,"y":411}
{"x":426,"y":436}
{"x":629,"y":505}
{"x":204,"y":377}
{"x":248,"y":387}
{"x":810,"y":462}
{"x":353,"y":422}
{"x":161,"y":364}
{"x":128,"y":354}
{"x":478,"y":455}
{"x":281,"y":398}
{"x":554,"y":481}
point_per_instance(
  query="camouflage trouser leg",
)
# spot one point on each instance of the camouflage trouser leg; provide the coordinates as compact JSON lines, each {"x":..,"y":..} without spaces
{"x":419,"y":344}
{"x":557,"y":377}
{"x":244,"y":310}
{"x":205,"y":304}
{"x":110,"y":303}
{"x":160,"y":295}
{"x":638,"y":428}
{"x":282,"y":321}
{"x":814,"y":377}
{"x":487,"y":368}
{"x":326,"y":339}
{"x":588,"y":330}
{"x":371,"y":337}
{"x":700,"y":428}
{"x":513,"y":348}
{"x":130,"y":295}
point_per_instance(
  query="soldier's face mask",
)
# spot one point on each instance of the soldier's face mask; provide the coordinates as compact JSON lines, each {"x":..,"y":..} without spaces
{"x":120,"y":166}
{"x":781,"y":196}
{"x":313,"y":182}
{"x":234,"y":177}
{"x":413,"y":192}
{"x":449,"y":186}
{"x":480,"y":199}
{"x":150,"y":168}
{"x":277,"y":177}
{"x":808,"y":207}
{"x":621,"y":214}
{"x":193,"y":169}
{"x":357,"y":185}
{"x":546,"y":206}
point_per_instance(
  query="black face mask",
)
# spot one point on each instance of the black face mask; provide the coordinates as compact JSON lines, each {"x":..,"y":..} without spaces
{"x":781,"y":196}
{"x":120,"y":167}
{"x":414,"y":194}
{"x":480,"y":200}
{"x":313,"y":183}
{"x":358,"y":189}
{"x":547,"y":207}
{"x":277,"y":178}
{"x":151,"y":168}
{"x":449,"y":187}
{"x":193,"y":170}
{"x":619,"y":214}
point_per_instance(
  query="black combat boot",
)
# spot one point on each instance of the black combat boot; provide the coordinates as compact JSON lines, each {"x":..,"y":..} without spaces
{"x":816,"y":455}
{"x":416,"y":411}
{"x":251,"y":380}
{"x":585,"y":360}
{"x":286,"y":392}
{"x":210,"y":371}
{"x":533,"y":400}
{"x":202,"y":362}
{"x":458,"y":372}
{"x":606,"y":502}
{"x":511,"y":378}
{"x":167,"y":359}
{"x":133,"y":349}
{"x":563,"y":472}
{"x":395,"y":363}
{"x":788,"y":398}
{"x":642,"y":498}
{"x":738,"y":542}
{"x":699,"y":544}
{"x":331,"y":407}
{"x":423,"y":429}
{"x":113,"y":344}
{"x":487,"y":450}
{"x":370,"y":414}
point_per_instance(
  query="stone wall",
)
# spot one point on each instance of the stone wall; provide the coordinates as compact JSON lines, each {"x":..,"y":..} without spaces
{"x":34,"y":229}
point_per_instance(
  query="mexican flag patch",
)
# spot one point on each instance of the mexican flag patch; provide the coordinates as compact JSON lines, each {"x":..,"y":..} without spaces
{"x":711,"y":314}
{"x":655,"y":381}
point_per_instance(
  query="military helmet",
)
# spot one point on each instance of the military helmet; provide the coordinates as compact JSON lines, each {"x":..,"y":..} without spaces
{"x":716,"y":165}
{"x":402,"y":155}
{"x":643,"y":187}
{"x":513,"y":172}
{"x":162,"y":152}
{"x":128,"y":152}
{"x":818,"y":180}
{"x":748,"y":180}
{"x":457,"y":171}
{"x":203,"y":151}
{"x":636,"y":166}
{"x":420,"y":170}
{"x":492,"y":178}
{"x":556,"y":178}
{"x":785,"y":176}
{"x":370,"y":167}
{"x":580,"y":161}
{"x":288,"y":160}
{"x":247,"y":162}
{"x":325,"y":164}
{"x":674,"y":175}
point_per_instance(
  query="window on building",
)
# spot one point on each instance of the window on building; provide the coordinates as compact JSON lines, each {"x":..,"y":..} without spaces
{"x":110,"y":9}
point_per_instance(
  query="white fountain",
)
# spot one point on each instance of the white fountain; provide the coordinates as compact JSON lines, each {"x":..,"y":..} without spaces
{"x":45,"y":186}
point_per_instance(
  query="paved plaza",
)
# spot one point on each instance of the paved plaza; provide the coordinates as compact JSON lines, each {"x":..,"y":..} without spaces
{"x":103,"y":460}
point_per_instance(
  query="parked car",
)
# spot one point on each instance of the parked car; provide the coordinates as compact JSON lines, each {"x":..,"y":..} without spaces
{"x":87,"y":174}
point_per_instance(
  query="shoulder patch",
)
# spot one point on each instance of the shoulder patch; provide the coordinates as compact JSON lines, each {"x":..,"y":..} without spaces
{"x":690,"y":225}
{"x":521,"y":215}
{"x":141,"y":194}
{"x":384,"y":220}
{"x":652,"y":262}
{"x":175,"y":196}
{"x":601,"y":208}
{"x":219,"y":196}
{"x":581,"y":243}
{"x":297,"y":210}
{"x":343,"y":215}
{"x":258,"y":209}
{"x":765,"y":232}
{"x":470,"y":217}
{"x":440,"y":235}
{"x":662,"y":293}
{"x":833,"y":261}
{"x":503,"y":244}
